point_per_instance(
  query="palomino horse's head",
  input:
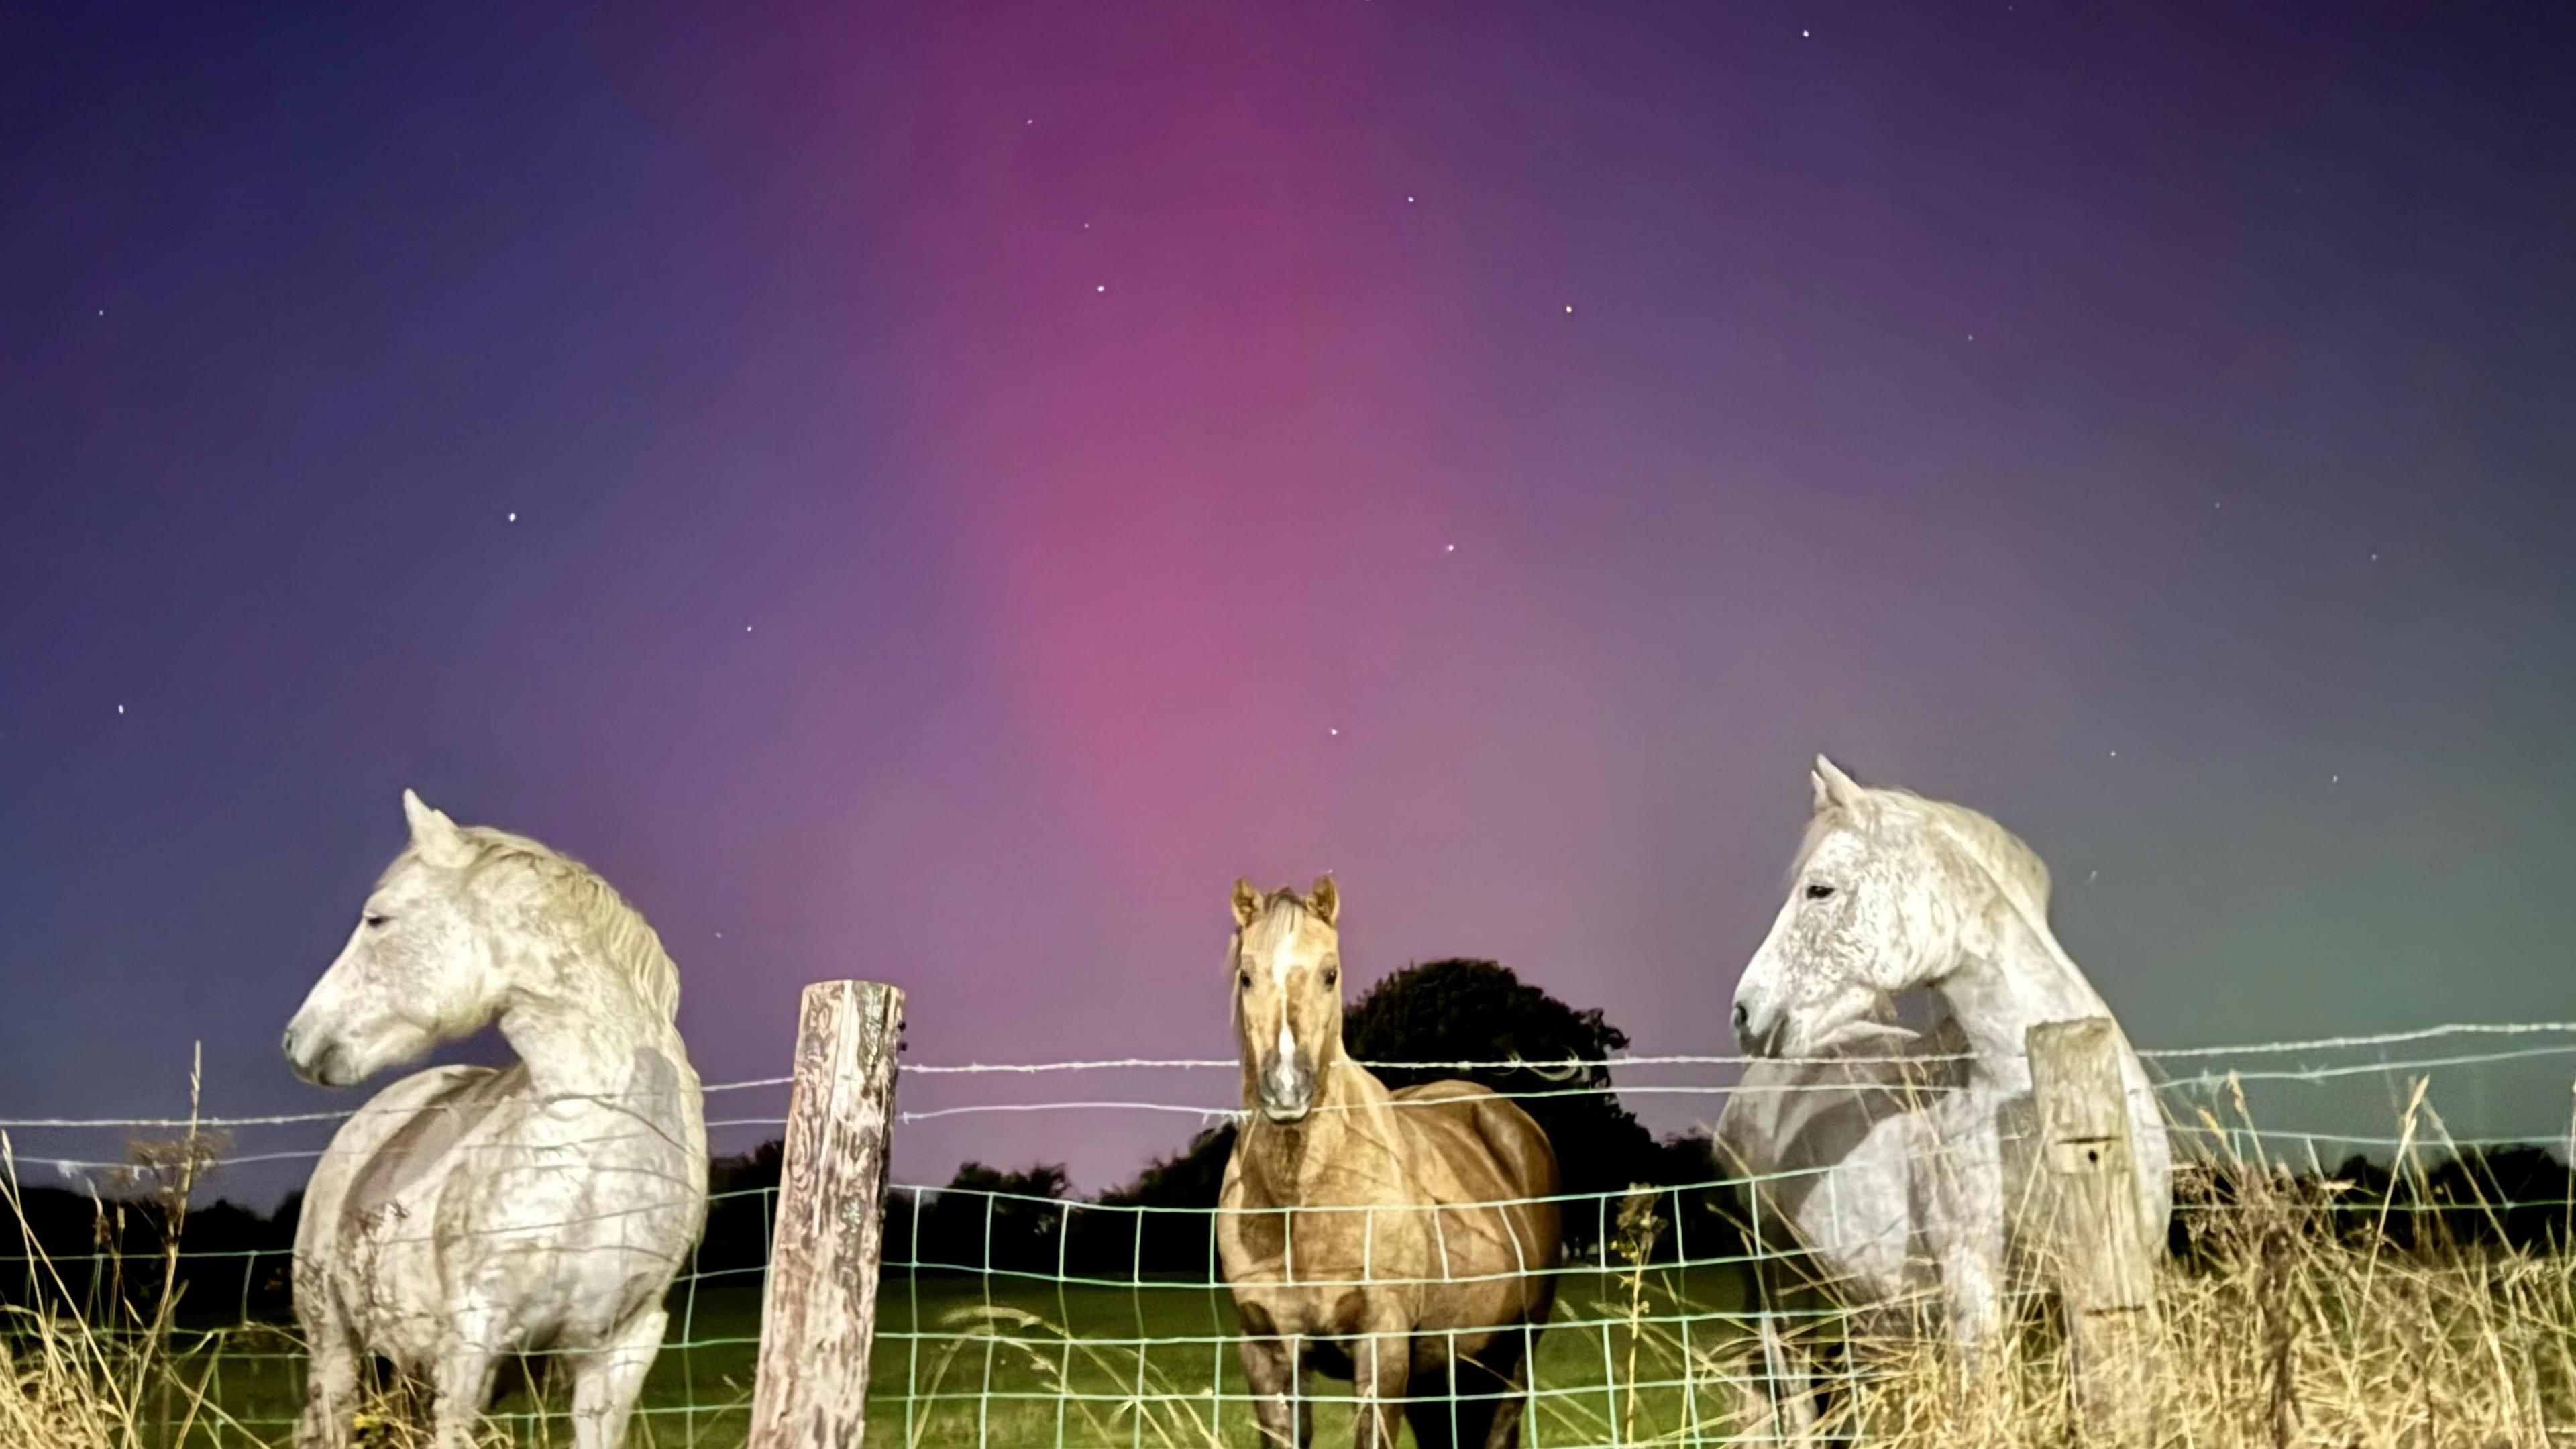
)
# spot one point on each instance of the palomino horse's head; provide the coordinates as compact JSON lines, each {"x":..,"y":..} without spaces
{"x":419,"y":969}
{"x":1878,"y":904}
{"x":1286,"y":959}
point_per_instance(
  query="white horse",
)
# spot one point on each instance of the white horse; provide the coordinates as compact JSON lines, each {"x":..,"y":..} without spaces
{"x":1902,"y":1174}
{"x":466,"y":1214}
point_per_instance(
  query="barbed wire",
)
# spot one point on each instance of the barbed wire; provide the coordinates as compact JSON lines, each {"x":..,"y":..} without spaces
{"x":961,"y":1378}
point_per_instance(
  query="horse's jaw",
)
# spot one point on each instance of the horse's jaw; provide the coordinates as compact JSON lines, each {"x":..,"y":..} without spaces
{"x":326,"y":1056}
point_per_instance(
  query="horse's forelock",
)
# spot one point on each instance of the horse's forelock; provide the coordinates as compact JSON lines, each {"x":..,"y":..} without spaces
{"x":1286,"y":903}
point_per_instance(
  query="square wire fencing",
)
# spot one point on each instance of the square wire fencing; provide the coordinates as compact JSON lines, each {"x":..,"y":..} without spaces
{"x":2340,"y":1262}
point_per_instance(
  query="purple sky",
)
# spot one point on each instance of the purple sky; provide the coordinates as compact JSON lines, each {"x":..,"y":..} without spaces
{"x":984,"y":480}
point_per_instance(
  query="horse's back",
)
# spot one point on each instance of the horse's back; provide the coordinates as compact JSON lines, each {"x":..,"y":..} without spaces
{"x":1487,"y":1162}
{"x":1523,"y":1160}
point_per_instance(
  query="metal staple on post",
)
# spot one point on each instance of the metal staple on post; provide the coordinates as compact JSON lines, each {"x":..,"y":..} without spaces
{"x":819,"y":1313}
{"x":2101,"y":1256}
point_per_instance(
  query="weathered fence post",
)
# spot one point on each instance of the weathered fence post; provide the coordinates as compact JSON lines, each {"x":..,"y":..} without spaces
{"x":2103,"y":1261}
{"x":818,"y":1317}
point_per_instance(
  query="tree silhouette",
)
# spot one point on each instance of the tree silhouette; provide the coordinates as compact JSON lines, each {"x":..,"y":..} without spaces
{"x":1460,"y":1010}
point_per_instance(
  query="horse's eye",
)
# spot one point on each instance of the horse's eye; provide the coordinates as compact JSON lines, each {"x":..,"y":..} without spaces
{"x":374,"y":920}
{"x":1332,"y":976}
{"x":1243,"y":980}
{"x":1819,"y":891}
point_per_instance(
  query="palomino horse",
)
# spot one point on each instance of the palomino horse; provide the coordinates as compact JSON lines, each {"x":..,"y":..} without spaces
{"x":1403,"y":1240}
{"x":1899,"y":1158}
{"x":468,"y":1213}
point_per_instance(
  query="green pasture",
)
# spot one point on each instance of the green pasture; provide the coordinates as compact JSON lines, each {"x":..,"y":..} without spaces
{"x":1023,"y":1362}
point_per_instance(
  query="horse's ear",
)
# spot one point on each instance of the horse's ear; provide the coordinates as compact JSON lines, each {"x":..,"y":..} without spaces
{"x":1328,"y":900}
{"x":1833,"y":788}
{"x":1247,"y":902}
{"x":432,"y":833}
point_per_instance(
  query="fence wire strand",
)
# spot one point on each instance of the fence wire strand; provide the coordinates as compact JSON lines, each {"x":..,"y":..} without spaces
{"x":1015,"y":1317}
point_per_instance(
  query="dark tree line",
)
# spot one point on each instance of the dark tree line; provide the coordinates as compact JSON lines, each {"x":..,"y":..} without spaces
{"x":106,"y":1256}
{"x":1160,"y":1225}
{"x":2520,"y":1198}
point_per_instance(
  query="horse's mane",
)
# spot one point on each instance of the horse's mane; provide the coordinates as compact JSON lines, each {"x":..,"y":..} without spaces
{"x":2015,"y":868}
{"x":621,"y":932}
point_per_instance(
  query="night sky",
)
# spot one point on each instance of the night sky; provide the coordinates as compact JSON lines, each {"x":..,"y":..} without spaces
{"x":935,"y":494}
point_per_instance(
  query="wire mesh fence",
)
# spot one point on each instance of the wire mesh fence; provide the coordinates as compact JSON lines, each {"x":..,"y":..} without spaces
{"x":1015,"y":1313}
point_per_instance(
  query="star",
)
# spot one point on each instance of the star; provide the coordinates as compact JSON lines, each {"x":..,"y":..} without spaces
{"x":120,"y":709}
{"x":514,"y":518}
{"x":1569,"y":309}
{"x":2115,"y":754}
{"x":746,"y":628}
{"x":1328,"y":729}
{"x":1452,"y":548}
{"x":1804,"y":34}
{"x":1407,"y":201}
{"x":2093,"y":875}
{"x":1102,"y":288}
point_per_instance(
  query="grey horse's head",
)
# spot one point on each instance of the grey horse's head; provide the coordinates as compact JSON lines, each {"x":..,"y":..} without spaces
{"x":420,"y":966}
{"x":1286,"y":959}
{"x":1885,"y":898}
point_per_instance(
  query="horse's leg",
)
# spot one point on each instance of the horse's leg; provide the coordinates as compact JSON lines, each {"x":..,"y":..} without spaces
{"x":1786,"y":1404}
{"x":330,"y":1377}
{"x":1477,"y":1402}
{"x":1270,"y":1367}
{"x":461,"y":1380}
{"x":1972,"y":1291}
{"x":1504,"y":1377}
{"x":606,"y":1381}
{"x":1431,"y":1404}
{"x":1382,"y":1373}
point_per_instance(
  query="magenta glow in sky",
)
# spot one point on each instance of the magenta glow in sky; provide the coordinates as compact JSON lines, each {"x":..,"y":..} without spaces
{"x":935,"y":495}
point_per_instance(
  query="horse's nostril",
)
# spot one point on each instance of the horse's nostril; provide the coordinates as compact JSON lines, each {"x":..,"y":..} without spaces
{"x":1741,"y":1018}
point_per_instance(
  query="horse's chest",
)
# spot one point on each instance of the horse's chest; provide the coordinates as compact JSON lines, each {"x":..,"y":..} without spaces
{"x":1322,"y":1247}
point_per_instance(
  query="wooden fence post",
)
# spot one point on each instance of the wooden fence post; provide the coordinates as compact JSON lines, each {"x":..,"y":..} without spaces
{"x":818,"y":1316}
{"x":2101,"y":1256}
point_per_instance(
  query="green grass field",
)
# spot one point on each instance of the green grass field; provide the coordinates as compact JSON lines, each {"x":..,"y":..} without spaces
{"x":1015,"y":1362}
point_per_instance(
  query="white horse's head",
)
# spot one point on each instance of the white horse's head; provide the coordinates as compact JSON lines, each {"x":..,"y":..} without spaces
{"x":1888,"y":896}
{"x":1286,"y":957}
{"x":421,"y":967}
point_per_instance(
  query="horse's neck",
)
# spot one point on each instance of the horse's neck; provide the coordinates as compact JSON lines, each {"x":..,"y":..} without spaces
{"x":1282,"y":1160}
{"x":1997,"y":997}
{"x":578,"y":1027}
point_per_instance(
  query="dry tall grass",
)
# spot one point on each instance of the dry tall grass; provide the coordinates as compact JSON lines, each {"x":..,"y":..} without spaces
{"x":2281,"y":1326}
{"x":2292,"y":1321}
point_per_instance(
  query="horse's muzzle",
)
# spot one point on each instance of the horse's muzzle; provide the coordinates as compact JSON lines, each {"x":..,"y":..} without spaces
{"x":1287,"y":1090}
{"x":314,"y":1060}
{"x":1757,"y":1031}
